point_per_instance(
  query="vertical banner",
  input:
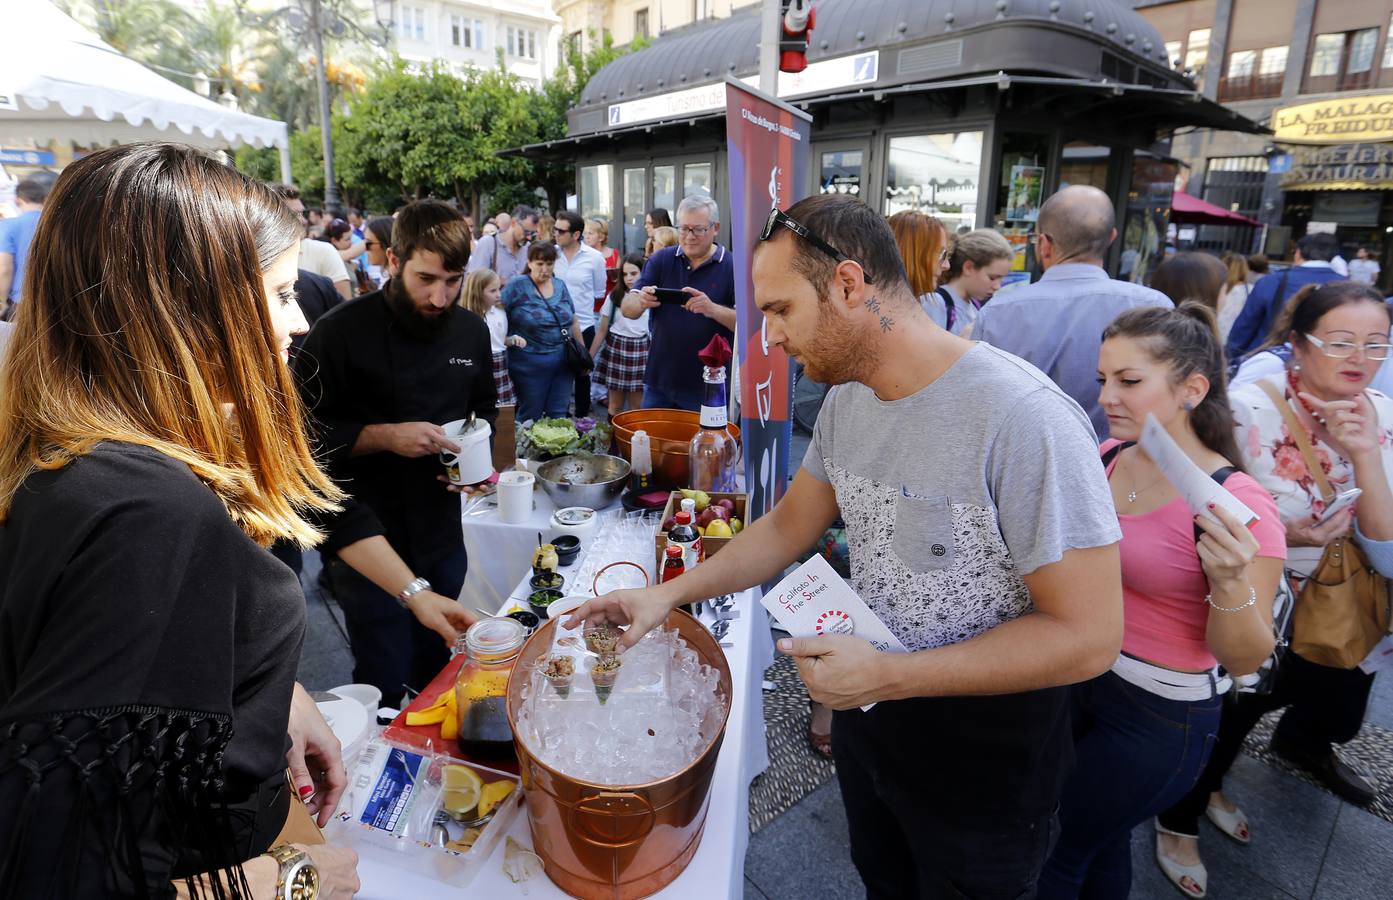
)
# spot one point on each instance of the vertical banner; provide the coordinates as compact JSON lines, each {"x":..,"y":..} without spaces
{"x":768,"y":152}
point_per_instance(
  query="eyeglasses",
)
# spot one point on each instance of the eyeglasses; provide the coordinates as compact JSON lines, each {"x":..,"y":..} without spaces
{"x":529,"y":234}
{"x":1345,"y":349}
{"x":697,"y":230}
{"x":1036,"y":235}
{"x":372,"y":243}
{"x":777,"y":218}
{"x":560,"y":230}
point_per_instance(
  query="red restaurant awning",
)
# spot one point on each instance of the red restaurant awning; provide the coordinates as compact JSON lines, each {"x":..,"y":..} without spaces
{"x":1188,"y":210}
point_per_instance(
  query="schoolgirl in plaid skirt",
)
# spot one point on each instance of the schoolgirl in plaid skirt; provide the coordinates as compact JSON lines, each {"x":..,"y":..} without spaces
{"x":620,"y":347}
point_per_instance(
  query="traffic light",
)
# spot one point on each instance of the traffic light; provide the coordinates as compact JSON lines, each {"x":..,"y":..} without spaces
{"x":796,"y":18}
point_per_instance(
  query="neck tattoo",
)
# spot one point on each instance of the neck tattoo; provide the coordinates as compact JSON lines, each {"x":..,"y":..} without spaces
{"x":873,"y":304}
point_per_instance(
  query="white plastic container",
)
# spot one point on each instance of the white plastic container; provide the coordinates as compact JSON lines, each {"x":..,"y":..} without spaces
{"x":474,"y":461}
{"x":515,"y":496}
{"x":389,"y":808}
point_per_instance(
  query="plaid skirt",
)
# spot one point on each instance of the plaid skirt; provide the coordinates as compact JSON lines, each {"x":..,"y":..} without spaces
{"x":622,"y":362}
{"x":502,"y":382}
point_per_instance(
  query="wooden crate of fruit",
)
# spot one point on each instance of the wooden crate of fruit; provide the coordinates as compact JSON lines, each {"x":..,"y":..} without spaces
{"x":728,"y":508}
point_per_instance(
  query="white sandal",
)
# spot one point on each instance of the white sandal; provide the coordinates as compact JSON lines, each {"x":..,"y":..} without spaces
{"x":1230,"y":822}
{"x":1173,"y":870}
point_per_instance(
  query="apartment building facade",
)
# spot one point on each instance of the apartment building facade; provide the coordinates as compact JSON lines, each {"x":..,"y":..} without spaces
{"x":1319,"y":73}
{"x":471,"y":34}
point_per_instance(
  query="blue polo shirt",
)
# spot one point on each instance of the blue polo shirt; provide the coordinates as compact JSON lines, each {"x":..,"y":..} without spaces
{"x":15,"y":236}
{"x":678,"y":335}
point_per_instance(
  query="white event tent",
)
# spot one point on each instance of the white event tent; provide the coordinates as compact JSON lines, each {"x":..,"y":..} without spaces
{"x":60,"y":82}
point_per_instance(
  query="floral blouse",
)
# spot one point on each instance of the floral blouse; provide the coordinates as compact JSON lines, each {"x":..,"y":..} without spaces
{"x":1271,"y":455}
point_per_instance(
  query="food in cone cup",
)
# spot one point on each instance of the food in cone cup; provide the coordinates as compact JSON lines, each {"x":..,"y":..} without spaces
{"x":602,"y":639}
{"x":558,"y":670}
{"x":603,"y":674}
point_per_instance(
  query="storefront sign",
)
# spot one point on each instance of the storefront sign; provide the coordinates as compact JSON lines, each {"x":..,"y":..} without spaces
{"x":11,"y":157}
{"x":768,"y":150}
{"x":858,"y":69}
{"x":1336,"y":121}
{"x":1344,"y":167}
{"x":9,"y":102}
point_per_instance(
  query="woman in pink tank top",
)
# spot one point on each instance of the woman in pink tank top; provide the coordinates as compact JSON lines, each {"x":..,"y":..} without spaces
{"x":1197,"y":594}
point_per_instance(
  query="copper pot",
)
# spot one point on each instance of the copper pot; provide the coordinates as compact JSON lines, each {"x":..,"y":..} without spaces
{"x":669,"y":433}
{"x":609,"y":842}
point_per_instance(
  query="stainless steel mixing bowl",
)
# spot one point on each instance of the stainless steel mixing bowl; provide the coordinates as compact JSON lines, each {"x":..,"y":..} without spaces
{"x":583,"y":480}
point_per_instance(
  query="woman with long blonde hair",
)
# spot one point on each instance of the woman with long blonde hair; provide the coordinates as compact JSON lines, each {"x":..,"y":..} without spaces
{"x":481,"y":295}
{"x":151,"y":446}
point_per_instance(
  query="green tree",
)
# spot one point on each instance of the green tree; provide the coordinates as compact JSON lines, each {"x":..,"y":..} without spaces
{"x":261,"y":163}
{"x":153,"y":32}
{"x":550,"y":105}
{"x":424,"y":131}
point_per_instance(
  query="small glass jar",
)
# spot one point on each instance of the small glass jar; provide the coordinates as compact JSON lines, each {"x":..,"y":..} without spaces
{"x":491,"y":648}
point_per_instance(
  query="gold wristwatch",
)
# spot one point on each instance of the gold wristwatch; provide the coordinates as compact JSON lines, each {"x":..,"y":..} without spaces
{"x":298,"y":878}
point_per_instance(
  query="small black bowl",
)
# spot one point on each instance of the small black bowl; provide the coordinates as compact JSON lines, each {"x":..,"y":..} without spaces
{"x":530,"y":621}
{"x":541,"y":600}
{"x":567,"y":548}
{"x":552,"y":580}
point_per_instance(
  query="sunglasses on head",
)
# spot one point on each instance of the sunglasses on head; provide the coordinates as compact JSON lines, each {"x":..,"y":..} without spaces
{"x":777,"y":218}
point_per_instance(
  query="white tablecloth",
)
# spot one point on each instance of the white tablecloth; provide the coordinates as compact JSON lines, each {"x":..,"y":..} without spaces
{"x":720,"y":859}
{"x":498,"y":551}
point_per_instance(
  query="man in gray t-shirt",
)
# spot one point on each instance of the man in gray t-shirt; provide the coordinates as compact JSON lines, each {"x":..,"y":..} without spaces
{"x":981,"y":531}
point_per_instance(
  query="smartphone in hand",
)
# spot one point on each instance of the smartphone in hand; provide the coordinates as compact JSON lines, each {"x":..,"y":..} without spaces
{"x":1342,"y":500}
{"x":671,"y":295}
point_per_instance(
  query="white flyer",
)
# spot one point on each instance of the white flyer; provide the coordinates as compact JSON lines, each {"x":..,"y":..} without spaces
{"x":1193,"y":483}
{"x":813,"y":600}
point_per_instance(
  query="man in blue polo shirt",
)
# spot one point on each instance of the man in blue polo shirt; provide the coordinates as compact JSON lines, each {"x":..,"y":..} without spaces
{"x":17,"y":233}
{"x":1270,"y":294}
{"x":704,"y":270}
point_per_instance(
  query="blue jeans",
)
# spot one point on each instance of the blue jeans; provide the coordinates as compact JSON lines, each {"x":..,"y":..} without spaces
{"x":657,"y":398}
{"x":391,"y":649}
{"x":1137,"y":754}
{"x":543,"y":383}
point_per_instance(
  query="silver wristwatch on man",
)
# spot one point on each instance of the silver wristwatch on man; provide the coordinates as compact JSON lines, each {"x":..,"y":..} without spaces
{"x":415,"y":587}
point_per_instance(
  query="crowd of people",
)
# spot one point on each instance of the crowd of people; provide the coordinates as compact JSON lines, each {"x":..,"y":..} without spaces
{"x":1087,"y":652}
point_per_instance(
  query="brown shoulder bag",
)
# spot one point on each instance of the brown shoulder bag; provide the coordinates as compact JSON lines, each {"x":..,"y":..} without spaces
{"x":1343,"y":609}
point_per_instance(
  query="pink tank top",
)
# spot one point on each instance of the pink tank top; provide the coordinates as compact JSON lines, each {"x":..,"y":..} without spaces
{"x":1163,"y":583}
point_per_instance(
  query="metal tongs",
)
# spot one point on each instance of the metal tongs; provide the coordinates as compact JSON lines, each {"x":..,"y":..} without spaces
{"x":723,"y":612}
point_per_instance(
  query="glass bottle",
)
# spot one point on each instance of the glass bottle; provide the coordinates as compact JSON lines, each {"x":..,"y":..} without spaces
{"x":672,"y":562}
{"x":491,"y":647}
{"x":711,"y":454}
{"x":641,"y":466}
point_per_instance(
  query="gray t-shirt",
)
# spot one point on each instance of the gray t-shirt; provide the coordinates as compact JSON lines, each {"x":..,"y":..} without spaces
{"x":953,"y":494}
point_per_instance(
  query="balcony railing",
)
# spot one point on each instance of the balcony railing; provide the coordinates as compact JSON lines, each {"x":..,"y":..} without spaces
{"x":1344,"y":81}
{"x":1250,"y":87}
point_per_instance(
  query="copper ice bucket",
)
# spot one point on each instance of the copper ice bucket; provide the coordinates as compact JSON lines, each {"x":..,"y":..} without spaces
{"x":669,"y":433}
{"x":617,"y":842}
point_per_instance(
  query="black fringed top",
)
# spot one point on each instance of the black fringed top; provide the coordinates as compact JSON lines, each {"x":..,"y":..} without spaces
{"x":148,"y":651}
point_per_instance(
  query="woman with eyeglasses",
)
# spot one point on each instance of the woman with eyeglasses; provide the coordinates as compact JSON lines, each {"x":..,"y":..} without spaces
{"x":923,"y":243}
{"x":1339,"y":336}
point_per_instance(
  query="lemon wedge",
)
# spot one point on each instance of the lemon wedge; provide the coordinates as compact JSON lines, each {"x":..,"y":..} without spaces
{"x":493,"y":794}
{"x":463,"y":788}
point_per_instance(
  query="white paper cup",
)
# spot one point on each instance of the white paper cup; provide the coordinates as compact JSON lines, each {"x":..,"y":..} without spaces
{"x":515,"y":496}
{"x":365,"y":694}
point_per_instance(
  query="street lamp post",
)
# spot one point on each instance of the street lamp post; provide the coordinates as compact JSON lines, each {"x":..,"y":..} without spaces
{"x":311,"y":19}
{"x":331,"y":187}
